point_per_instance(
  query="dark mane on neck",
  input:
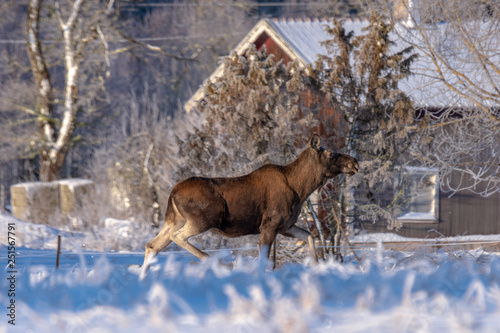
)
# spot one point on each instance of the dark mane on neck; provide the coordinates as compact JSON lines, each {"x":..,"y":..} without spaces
{"x":303,"y":175}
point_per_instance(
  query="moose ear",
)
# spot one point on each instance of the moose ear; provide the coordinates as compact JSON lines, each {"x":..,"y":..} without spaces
{"x":315,"y":141}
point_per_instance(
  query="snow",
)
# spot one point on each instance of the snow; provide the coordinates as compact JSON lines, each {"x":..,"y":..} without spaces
{"x":392,"y":237}
{"x":419,"y":217}
{"x":389,"y":291}
{"x":74,"y":183}
{"x":305,"y":37}
{"x":109,"y":234}
{"x":31,"y":187}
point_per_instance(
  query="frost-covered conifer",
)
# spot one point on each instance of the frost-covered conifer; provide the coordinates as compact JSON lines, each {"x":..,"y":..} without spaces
{"x":250,"y":117}
{"x":361,"y":75}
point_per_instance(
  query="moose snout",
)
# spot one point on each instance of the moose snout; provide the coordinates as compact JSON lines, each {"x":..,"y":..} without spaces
{"x":353,"y":168}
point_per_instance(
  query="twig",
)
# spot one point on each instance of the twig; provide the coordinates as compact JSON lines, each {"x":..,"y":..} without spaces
{"x":339,"y":225}
{"x":158,"y":49}
{"x":275,"y":252}
{"x":156,"y":205}
{"x":106,"y":50}
{"x":317,"y":224}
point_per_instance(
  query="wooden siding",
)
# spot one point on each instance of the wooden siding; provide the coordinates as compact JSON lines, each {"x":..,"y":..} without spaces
{"x":272,"y":48}
{"x":329,"y":125}
{"x":464,"y":213}
{"x":329,"y":119}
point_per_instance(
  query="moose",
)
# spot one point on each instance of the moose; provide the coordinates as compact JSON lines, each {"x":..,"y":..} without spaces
{"x":267,"y":201}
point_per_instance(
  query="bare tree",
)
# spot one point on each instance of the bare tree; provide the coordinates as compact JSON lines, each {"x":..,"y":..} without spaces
{"x":304,"y":8}
{"x":90,"y":37}
{"x":456,"y":87}
{"x":177,"y":45}
{"x":78,"y":30}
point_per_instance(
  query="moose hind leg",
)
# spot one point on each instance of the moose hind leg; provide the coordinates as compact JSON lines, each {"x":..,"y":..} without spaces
{"x":296,"y":232}
{"x":156,"y":245}
{"x":181,"y":236}
{"x":162,"y":240}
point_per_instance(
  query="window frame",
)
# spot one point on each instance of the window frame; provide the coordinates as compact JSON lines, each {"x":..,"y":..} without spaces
{"x":418,"y":174}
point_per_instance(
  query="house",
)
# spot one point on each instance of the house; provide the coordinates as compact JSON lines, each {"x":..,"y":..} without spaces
{"x":433,"y":212}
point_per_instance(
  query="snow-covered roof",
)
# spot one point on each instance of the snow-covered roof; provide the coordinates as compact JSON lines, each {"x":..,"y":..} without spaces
{"x":305,"y":36}
{"x":301,"y":40}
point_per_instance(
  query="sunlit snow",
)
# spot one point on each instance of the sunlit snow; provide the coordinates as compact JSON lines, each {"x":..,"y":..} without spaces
{"x":100,"y":291}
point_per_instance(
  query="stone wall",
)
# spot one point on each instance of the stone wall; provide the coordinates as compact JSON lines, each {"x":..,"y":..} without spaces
{"x":46,"y":203}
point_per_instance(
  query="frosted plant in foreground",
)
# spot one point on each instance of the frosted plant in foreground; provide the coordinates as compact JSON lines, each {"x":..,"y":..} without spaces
{"x":425,"y":291}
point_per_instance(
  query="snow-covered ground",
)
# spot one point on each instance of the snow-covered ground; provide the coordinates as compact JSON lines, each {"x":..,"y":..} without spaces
{"x":99,"y":290}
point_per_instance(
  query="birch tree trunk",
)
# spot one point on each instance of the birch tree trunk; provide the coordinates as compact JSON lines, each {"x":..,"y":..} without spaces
{"x":56,"y":142}
{"x":44,"y":87}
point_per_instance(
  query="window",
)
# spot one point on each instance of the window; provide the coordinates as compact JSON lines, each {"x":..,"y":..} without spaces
{"x":421,"y":186}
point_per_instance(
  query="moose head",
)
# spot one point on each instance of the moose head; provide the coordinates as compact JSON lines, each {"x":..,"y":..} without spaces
{"x":333,"y":163}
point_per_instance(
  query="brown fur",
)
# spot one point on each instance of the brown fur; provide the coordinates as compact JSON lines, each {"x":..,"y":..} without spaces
{"x":266,"y":202}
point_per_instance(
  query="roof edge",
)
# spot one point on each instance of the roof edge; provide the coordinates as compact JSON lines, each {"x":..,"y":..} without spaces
{"x":264,"y":25}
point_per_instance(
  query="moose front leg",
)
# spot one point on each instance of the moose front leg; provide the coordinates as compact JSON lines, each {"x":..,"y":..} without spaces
{"x":296,"y":232}
{"x":266,"y":239}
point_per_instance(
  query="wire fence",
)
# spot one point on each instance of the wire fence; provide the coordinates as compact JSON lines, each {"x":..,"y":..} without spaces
{"x":493,"y":244}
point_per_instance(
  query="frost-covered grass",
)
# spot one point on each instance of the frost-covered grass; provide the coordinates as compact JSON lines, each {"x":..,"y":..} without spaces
{"x":390,"y":291}
{"x":402,"y":292}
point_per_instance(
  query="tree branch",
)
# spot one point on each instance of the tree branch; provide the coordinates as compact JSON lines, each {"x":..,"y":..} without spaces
{"x":158,"y":49}
{"x":75,"y":11}
{"x":106,"y":50}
